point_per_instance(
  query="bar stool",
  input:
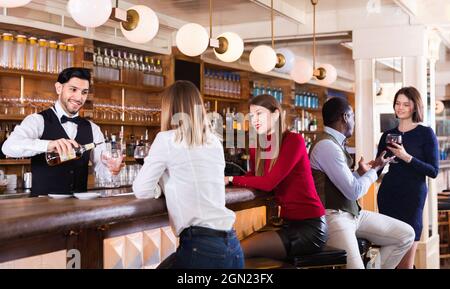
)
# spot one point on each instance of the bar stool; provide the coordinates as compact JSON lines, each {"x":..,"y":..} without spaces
{"x":328,"y":258}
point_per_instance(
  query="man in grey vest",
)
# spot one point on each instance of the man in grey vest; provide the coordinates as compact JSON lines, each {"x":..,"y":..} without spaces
{"x":339,"y":189}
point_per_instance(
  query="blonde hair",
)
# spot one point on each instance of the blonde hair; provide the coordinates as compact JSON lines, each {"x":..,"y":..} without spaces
{"x":182,"y":109}
{"x":270,"y":103}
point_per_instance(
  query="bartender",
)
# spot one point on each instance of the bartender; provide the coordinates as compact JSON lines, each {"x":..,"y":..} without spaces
{"x":60,"y":129}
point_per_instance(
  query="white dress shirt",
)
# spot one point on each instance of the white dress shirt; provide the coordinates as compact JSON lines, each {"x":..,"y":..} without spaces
{"x":193,"y":182}
{"x":25,"y":140}
{"x":329,"y":158}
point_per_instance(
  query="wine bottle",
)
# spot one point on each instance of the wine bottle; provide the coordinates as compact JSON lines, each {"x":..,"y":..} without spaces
{"x":54,"y":158}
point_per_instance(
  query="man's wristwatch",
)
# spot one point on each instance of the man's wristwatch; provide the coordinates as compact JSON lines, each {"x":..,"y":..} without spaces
{"x":230,"y":180}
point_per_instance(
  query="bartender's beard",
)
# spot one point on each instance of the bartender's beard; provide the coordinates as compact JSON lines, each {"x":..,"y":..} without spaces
{"x":70,"y":105}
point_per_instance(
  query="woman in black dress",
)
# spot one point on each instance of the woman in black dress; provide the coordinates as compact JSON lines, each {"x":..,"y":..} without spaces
{"x":403,"y":190}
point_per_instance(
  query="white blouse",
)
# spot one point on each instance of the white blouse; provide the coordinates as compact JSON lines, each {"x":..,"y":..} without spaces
{"x":192,"y":181}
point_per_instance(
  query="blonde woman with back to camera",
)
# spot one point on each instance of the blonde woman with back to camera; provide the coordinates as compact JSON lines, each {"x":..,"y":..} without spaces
{"x":188,"y":159}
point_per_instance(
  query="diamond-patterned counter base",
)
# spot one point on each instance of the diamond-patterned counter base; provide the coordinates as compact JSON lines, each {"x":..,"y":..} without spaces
{"x":147,"y":249}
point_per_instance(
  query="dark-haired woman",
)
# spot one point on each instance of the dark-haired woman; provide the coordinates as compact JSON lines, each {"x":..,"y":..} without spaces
{"x":280,"y":163}
{"x":403,"y":190}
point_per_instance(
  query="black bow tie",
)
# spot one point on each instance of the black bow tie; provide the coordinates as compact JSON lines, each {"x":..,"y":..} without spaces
{"x":76,"y":119}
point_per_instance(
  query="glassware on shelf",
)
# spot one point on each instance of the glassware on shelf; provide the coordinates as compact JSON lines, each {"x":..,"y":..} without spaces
{"x":31,"y":56}
{"x":51,"y":57}
{"x":7,"y":50}
{"x":70,"y":57}
{"x":61,"y":57}
{"x":41,"y":61}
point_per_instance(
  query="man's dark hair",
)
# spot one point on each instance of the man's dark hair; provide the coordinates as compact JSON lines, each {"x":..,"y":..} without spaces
{"x":71,"y":72}
{"x":333,"y":110}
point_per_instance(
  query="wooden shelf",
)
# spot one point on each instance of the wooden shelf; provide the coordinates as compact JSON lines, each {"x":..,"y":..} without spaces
{"x":308,"y":109}
{"x":29,"y":74}
{"x":115,"y":84}
{"x":15,"y":162}
{"x":118,"y":122}
{"x":224,"y":99}
{"x":12,"y":117}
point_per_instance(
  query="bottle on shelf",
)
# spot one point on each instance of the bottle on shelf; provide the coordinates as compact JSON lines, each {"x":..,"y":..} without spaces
{"x":31,"y":57}
{"x":70,"y":56}
{"x":119,"y":60}
{"x":19,"y":52}
{"x":41,"y":61}
{"x":112,"y":60}
{"x":126,"y":61}
{"x":51,"y":57}
{"x":106,"y":58}
{"x":54,"y":158}
{"x":61,"y":59}
{"x":7,"y":50}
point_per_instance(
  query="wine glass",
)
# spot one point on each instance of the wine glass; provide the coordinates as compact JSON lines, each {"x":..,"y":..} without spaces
{"x":393,"y":138}
{"x":140,"y":152}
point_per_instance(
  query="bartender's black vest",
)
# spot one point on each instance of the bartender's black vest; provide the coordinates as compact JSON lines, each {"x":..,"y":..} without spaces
{"x":67,"y":177}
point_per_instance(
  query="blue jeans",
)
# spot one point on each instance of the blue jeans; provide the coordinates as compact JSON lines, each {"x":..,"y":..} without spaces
{"x":203,"y":248}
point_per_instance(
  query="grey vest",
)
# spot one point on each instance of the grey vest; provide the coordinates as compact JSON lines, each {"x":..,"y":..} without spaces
{"x":329,"y":194}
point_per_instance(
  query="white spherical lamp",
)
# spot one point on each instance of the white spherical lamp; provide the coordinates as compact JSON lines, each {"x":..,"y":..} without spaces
{"x":90,"y":13}
{"x":302,"y":71}
{"x":289,"y":60}
{"x":263,"y":58}
{"x":192,"y":39}
{"x":142,"y":24}
{"x":13,"y":3}
{"x":331,"y":74}
{"x":231,"y":47}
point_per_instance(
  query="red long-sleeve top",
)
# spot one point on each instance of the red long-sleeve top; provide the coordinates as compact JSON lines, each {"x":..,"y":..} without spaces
{"x":290,"y":179}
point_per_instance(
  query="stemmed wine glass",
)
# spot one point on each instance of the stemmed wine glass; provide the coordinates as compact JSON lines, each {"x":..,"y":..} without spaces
{"x":140,"y":152}
{"x":393,"y":138}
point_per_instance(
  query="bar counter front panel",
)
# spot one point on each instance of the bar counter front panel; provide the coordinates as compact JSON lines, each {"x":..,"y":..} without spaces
{"x":109,"y":232}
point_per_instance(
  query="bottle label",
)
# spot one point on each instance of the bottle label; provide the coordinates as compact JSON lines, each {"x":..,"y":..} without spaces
{"x":71,"y":155}
{"x":89,"y":146}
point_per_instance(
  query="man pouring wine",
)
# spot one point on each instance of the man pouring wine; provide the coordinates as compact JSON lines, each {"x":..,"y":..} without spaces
{"x":59,"y":141}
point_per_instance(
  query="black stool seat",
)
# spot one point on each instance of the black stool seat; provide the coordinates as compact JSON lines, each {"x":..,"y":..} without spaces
{"x":328,"y":257}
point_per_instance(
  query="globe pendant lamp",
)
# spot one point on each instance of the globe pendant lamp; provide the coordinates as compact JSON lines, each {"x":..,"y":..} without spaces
{"x":325,"y":74}
{"x":286,"y":60}
{"x":13,"y":3}
{"x":90,"y":13}
{"x":193,"y":40}
{"x":263,"y":58}
{"x":142,"y":24}
{"x":231,"y":47}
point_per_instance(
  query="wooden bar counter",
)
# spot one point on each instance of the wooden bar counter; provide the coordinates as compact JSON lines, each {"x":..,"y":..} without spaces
{"x":109,"y":232}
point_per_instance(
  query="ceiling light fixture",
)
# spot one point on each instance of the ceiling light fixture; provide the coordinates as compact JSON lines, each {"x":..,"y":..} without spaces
{"x":138,"y":24}
{"x":192,"y":40}
{"x":90,"y":13}
{"x":13,"y":3}
{"x":325,"y":74}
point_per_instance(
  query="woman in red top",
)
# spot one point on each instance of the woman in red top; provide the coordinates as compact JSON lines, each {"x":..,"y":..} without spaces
{"x":280,"y":164}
